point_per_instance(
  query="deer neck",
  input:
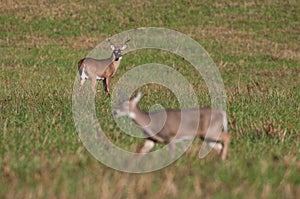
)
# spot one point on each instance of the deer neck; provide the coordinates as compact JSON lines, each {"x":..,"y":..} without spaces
{"x":140,"y":117}
{"x":114,"y":64}
{"x":117,"y":63}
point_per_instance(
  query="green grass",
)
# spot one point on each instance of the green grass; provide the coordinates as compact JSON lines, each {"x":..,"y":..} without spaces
{"x":255,"y":46}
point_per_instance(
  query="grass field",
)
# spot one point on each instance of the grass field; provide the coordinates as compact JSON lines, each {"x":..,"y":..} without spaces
{"x":255,"y":45}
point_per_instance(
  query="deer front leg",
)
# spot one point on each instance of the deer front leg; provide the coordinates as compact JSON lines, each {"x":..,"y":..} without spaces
{"x":104,"y":84}
{"x":171,"y":147}
{"x":216,"y":146}
{"x":148,"y":145}
{"x":107,"y":82}
{"x":226,"y":140}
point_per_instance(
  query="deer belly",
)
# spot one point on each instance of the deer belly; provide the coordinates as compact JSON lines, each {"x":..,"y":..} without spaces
{"x":84,"y":76}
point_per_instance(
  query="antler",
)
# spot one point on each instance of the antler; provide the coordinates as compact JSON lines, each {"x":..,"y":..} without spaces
{"x":126,"y":41}
{"x":109,"y":40}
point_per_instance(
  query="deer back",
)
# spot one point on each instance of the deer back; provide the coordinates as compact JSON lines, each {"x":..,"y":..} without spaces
{"x":95,"y":67}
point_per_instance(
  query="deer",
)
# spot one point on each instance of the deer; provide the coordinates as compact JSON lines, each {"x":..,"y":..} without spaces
{"x":207,"y":122}
{"x":101,"y":69}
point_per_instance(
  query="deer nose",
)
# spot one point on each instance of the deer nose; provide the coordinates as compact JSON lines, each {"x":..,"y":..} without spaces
{"x":114,"y":112}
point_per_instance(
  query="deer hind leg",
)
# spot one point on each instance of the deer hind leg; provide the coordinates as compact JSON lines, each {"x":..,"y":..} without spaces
{"x":82,"y":80}
{"x":93,"y":85}
{"x":148,"y":145}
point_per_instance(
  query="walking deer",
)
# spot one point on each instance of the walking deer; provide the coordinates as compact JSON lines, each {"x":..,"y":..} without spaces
{"x":101,"y":69}
{"x":207,"y":122}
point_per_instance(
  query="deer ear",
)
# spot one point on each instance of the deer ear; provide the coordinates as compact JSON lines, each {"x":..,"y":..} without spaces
{"x":123,"y":47}
{"x":112,"y":47}
{"x":137,"y":98}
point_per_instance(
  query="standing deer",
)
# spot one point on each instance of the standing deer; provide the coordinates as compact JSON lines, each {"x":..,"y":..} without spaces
{"x":101,"y":69}
{"x":207,"y":122}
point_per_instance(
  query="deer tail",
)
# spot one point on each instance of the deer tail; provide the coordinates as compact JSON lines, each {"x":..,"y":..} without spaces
{"x":80,"y":66}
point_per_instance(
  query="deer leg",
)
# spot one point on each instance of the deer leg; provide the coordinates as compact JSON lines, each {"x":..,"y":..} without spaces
{"x":148,"y":145}
{"x":225,"y":138}
{"x":93,"y":85}
{"x":216,"y":146}
{"x":104,"y":84}
{"x":171,"y":147}
{"x":82,"y":80}
{"x":107,"y":80}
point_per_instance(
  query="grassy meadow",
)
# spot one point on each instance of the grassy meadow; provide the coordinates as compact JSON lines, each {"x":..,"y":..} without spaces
{"x":255,"y":45}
